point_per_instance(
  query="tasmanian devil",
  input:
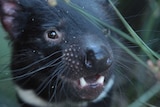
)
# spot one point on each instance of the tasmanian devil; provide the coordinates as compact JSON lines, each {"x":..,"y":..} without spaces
{"x":60,"y":58}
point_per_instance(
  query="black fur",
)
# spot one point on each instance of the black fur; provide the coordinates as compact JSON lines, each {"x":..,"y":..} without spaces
{"x":52,"y":46}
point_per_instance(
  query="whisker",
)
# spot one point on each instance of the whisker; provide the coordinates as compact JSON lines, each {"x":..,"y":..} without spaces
{"x":51,"y":63}
{"x":56,"y":84}
{"x":42,"y":68}
{"x":36,"y":62}
{"x":42,"y":86}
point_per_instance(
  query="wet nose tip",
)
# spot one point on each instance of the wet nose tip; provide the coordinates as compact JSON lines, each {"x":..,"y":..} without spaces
{"x":98,"y":60}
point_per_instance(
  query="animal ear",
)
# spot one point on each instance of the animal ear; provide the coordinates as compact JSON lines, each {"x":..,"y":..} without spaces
{"x":8,"y":12}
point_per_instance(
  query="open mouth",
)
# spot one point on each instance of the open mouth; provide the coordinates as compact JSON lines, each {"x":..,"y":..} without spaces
{"x":87,"y":88}
{"x":91,"y":81}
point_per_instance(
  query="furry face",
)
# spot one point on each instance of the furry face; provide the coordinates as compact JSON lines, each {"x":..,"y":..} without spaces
{"x":59,"y":57}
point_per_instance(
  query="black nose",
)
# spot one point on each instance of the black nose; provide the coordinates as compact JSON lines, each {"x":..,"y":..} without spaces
{"x":97,"y":59}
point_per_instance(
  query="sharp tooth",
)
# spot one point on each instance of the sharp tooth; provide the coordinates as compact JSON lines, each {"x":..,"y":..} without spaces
{"x":83,"y":82}
{"x":101,"y":80}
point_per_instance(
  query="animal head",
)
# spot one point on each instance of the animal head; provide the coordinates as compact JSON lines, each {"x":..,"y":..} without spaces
{"x":56,"y":50}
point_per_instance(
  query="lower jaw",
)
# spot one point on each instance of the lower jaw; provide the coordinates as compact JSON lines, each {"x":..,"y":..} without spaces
{"x":90,"y":94}
{"x":85,"y":95}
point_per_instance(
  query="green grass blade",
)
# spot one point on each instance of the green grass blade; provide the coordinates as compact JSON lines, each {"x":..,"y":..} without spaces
{"x":139,"y":41}
{"x":146,"y":96}
{"x":129,"y":52}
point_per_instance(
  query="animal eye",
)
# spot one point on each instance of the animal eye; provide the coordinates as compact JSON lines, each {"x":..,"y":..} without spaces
{"x":52,"y":34}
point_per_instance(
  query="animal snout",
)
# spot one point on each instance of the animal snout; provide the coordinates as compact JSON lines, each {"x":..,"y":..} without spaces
{"x":97,"y":59}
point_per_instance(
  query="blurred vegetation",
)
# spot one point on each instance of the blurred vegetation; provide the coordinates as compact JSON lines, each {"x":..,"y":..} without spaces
{"x":143,"y":17}
{"x":7,"y":94}
{"x":140,"y":88}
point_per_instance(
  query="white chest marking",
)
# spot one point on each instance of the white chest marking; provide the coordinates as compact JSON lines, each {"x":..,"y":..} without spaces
{"x":29,"y":97}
